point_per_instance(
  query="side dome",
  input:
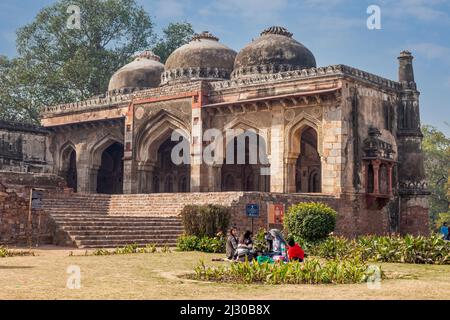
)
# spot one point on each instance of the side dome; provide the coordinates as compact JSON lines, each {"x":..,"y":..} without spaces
{"x":143,"y":73}
{"x":203,"y":58}
{"x":274,"y":51}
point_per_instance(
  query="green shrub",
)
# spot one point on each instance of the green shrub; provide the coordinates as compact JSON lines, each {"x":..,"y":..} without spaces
{"x":310,"y":221}
{"x":202,"y":244}
{"x":393,"y":249}
{"x":129,"y":249}
{"x":205,"y":221}
{"x":5,"y":253}
{"x":312,"y":271}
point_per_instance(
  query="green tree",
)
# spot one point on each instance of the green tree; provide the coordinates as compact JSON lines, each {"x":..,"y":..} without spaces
{"x":69,"y":64}
{"x":57,"y":64}
{"x":174,"y":36}
{"x":18,"y":98}
{"x":436,"y":148}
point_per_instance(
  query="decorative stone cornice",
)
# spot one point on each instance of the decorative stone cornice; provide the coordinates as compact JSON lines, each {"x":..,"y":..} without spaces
{"x":278,"y":31}
{"x":148,"y":55}
{"x":98,"y":102}
{"x":334,"y":70}
{"x":204,"y":35}
{"x":119,"y":99}
{"x":22,"y":127}
{"x":217,"y":76}
{"x":192,"y":74}
{"x":413,"y":188}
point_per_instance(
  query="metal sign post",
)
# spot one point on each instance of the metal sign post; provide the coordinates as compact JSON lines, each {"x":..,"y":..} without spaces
{"x":252,"y":212}
{"x":35,"y":203}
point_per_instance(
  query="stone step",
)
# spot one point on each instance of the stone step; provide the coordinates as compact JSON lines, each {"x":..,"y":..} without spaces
{"x":123,"y":232}
{"x":113,"y":245}
{"x":110,"y":218}
{"x":130,"y":237}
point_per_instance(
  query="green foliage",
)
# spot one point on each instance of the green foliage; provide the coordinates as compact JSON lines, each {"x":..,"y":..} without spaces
{"x":310,"y":221}
{"x":440,"y":219}
{"x":202,"y":244}
{"x":312,"y":271}
{"x":5,"y":253}
{"x":175,"y":35}
{"x":205,"y":221}
{"x":259,"y":243}
{"x":394,"y":249}
{"x":130,"y":249}
{"x":57,"y":65}
{"x":436,"y":150}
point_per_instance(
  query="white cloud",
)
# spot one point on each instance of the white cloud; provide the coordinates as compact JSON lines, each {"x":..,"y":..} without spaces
{"x":424,"y":10}
{"x":325,"y":4}
{"x":170,"y":9}
{"x":431,"y":51}
{"x":251,"y":10}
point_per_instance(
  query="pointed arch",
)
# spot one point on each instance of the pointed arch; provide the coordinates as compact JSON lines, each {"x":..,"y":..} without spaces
{"x":97,"y":149}
{"x":67,"y":165}
{"x":154,"y":132}
{"x":294,"y":132}
{"x":64,"y":151}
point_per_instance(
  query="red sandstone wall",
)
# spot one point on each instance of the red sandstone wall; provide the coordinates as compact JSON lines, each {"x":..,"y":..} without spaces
{"x":14,"y":208}
{"x":14,"y":226}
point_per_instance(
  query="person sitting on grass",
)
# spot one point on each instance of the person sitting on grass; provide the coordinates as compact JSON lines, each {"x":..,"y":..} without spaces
{"x":295,"y":252}
{"x":245,"y":247}
{"x":232,"y":244}
{"x":444,"y":231}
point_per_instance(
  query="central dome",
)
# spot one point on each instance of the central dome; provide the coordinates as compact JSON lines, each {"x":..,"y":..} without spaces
{"x":274,"y":51}
{"x":204,"y":58}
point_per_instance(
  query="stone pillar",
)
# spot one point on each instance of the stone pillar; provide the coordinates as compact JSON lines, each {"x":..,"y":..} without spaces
{"x":290,"y":166}
{"x":130,"y":183}
{"x":376,"y":176}
{"x":390,"y":168}
{"x":145,"y":177}
{"x":83,"y":170}
{"x":129,"y":164}
{"x":197,"y":151}
{"x":278,"y":172}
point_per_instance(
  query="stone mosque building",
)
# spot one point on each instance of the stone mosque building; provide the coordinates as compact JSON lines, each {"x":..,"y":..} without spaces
{"x":334,"y":134}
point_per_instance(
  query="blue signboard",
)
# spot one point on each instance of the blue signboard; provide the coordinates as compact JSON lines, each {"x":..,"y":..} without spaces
{"x":253,"y":210}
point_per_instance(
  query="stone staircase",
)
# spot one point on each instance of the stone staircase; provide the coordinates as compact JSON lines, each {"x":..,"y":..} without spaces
{"x":109,"y":221}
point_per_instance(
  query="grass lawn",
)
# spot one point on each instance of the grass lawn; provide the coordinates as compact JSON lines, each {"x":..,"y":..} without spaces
{"x":154,"y":276}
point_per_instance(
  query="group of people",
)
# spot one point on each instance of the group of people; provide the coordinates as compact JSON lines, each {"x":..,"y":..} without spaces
{"x":444,"y":232}
{"x":277,"y":248}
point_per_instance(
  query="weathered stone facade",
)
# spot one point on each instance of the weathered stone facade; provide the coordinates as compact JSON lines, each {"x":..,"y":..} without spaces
{"x":342,"y":133}
{"x":23,"y":148}
{"x":15,"y":227}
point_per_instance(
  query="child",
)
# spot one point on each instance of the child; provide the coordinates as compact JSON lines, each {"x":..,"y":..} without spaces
{"x":295,"y":252}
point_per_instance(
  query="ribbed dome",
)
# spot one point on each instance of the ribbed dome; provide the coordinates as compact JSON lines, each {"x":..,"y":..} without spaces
{"x":204,"y":58}
{"x":144,"y":72}
{"x":274,"y":51}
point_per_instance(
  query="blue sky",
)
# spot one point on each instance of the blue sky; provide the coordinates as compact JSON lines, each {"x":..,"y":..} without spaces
{"x":334,"y":30}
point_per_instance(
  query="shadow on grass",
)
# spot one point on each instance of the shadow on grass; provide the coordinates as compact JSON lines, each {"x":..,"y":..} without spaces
{"x":15,"y":267}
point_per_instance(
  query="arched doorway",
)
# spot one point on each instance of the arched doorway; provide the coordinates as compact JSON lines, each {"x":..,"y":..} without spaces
{"x":168,"y":176}
{"x":110,"y":173}
{"x":308,"y":166}
{"x":69,"y":168}
{"x":246,"y":164}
